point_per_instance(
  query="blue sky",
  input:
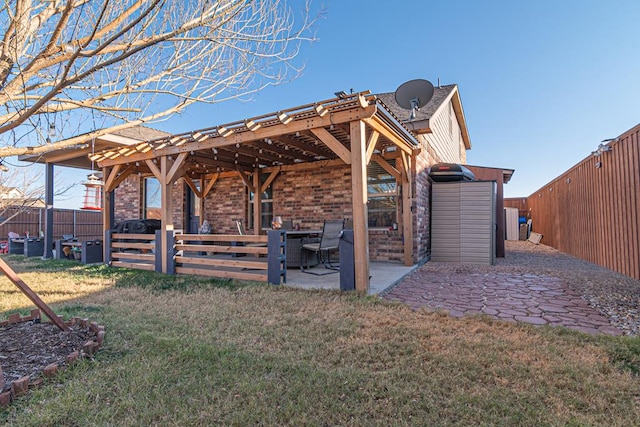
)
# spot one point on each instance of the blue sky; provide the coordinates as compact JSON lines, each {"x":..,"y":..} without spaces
{"x":541,"y":82}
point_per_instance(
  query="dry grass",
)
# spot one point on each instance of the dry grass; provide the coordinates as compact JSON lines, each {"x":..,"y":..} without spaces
{"x":218,"y":353}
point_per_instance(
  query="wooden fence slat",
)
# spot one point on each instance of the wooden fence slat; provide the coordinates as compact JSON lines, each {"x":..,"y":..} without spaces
{"x":256,"y":250}
{"x":134,"y":256}
{"x":258,"y":277}
{"x":262,"y":265}
{"x":133,"y":265}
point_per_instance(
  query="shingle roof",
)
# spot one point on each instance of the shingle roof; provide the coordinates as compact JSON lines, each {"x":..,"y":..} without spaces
{"x":439,"y":95}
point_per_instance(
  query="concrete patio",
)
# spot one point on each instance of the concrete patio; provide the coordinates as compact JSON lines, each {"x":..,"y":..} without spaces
{"x":384,"y":275}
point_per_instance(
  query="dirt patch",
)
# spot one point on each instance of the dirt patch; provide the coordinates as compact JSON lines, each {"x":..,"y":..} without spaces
{"x":26,"y":348}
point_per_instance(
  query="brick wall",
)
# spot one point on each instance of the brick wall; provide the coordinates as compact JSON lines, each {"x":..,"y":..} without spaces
{"x":306,"y":197}
{"x":128,"y":199}
{"x":309,"y":197}
{"x":422,"y":204}
{"x":227,"y":201}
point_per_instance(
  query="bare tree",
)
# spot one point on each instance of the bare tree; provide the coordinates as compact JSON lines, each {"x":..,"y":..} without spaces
{"x":127,"y":62}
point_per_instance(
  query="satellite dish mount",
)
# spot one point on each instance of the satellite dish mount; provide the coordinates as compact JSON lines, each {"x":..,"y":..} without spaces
{"x":413,"y":95}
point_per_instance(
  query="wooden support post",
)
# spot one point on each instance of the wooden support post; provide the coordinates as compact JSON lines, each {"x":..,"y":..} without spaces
{"x":201,"y":201}
{"x":359,"y":194}
{"x":11,"y":275}
{"x":407,"y":214}
{"x":257,"y":203}
{"x":166,"y":217}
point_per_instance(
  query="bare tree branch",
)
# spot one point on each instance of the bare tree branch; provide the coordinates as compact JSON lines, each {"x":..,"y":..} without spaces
{"x":128,"y":62}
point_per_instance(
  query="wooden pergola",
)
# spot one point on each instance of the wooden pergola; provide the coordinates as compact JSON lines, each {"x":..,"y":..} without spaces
{"x":352,"y":129}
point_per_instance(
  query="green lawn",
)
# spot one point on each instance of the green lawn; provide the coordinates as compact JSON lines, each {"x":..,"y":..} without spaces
{"x":192,"y":351}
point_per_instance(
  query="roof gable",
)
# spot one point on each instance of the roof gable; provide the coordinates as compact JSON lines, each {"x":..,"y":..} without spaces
{"x":442,"y":95}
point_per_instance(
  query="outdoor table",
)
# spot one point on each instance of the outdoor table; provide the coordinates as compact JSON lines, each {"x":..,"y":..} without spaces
{"x":295,"y":240}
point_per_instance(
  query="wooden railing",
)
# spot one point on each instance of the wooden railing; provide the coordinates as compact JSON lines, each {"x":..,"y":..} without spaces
{"x":257,"y":258}
{"x":132,"y":251}
{"x":196,"y":254}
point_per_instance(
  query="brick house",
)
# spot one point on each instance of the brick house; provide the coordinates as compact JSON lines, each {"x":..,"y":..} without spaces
{"x":356,"y":157}
{"x":307,"y":196}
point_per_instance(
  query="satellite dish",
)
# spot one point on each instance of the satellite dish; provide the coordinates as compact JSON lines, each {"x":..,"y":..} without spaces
{"x":414,"y":94}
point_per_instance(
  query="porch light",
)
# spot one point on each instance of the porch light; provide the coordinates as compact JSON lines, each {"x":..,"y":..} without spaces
{"x":92,"y":193}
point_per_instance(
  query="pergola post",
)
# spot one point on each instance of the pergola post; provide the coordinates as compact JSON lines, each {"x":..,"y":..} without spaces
{"x":257,"y":202}
{"x":407,"y":203}
{"x":359,"y":195}
{"x":166,"y":216}
{"x":48,"y":219}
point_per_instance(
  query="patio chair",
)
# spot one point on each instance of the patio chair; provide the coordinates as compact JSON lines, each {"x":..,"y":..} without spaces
{"x":16,"y":244}
{"x":331,"y":233}
{"x":242,"y":232}
{"x":287,"y":224}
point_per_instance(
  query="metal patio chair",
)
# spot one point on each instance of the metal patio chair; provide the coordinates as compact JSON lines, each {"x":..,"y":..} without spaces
{"x":331,"y":233}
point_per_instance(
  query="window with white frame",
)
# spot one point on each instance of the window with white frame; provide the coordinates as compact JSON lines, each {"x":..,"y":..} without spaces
{"x":382,"y":191}
{"x":267,"y":209}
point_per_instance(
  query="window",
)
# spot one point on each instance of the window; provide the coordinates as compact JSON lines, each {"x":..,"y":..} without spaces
{"x":152,"y":199}
{"x":383,"y":197}
{"x":267,"y":208}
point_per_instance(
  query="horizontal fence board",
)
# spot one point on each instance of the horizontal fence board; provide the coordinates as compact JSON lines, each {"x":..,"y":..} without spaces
{"x":255,"y":250}
{"x":131,"y":236}
{"x":224,"y":274}
{"x":132,"y":245}
{"x":133,"y":265}
{"x":261,"y":265}
{"x":223,"y":238}
{"x":133,"y":256}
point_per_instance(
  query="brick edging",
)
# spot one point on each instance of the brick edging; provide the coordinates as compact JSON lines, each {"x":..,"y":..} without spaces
{"x":21,"y":386}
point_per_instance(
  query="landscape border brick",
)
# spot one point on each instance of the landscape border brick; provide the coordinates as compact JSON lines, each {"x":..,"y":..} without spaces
{"x":21,"y":386}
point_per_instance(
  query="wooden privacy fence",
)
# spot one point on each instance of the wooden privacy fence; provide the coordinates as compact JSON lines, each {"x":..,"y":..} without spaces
{"x":257,"y":258}
{"x":592,"y":211}
{"x":85,"y":225}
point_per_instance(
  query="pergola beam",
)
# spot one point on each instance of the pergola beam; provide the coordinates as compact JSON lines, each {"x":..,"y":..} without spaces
{"x":380,"y":126}
{"x":388,"y":167}
{"x":336,"y":146}
{"x":371,"y":144}
{"x":210,"y":184}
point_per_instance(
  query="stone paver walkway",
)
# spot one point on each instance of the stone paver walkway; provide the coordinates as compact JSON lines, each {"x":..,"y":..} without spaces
{"x":536,"y":299}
